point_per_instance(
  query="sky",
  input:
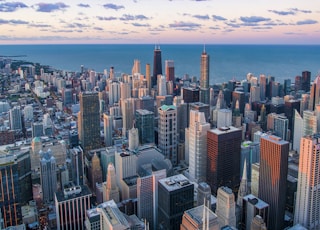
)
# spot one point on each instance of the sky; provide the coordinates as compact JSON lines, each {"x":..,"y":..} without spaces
{"x":160,"y":22}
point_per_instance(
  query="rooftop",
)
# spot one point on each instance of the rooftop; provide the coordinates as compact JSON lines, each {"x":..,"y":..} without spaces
{"x":175,"y":182}
{"x":260,"y":204}
{"x":72,"y":195}
{"x":224,"y":130}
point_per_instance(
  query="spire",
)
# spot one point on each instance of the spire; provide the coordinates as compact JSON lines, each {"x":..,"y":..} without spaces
{"x":243,"y":190}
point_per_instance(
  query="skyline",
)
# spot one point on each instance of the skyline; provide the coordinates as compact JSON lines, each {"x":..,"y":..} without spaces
{"x":151,"y":22}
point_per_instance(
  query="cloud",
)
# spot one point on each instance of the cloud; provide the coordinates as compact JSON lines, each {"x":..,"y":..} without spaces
{"x":293,"y":33}
{"x":201,"y":17}
{"x":254,"y":19}
{"x":112,"y":6}
{"x":140,"y":25}
{"x":218,"y":18}
{"x":262,"y":28}
{"x":186,"y":26}
{"x":306,"y":22}
{"x":11,"y":6}
{"x":290,"y":12}
{"x":40,"y":25}
{"x":106,"y":18}
{"x":98,"y":28}
{"x":50,"y":7}
{"x":76,"y":25}
{"x":83,"y":5}
{"x":232,"y":24}
{"x":129,"y":17}
{"x":214,"y":28}
{"x":13,"y":22}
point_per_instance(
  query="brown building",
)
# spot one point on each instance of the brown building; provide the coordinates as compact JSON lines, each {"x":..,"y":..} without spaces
{"x":273,"y":177}
{"x":6,"y":137}
{"x":224,"y":149}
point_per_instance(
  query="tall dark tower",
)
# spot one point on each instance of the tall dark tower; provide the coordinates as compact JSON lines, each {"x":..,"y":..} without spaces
{"x":273,"y":178}
{"x":157,"y":65}
{"x":305,"y":80}
{"x":223,"y":165}
{"x":89,"y":121}
{"x":204,"y":77}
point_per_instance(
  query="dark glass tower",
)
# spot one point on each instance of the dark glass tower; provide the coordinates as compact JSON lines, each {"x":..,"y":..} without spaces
{"x":89,"y":121}
{"x":204,"y":78}
{"x":224,"y":150}
{"x":157,"y":64}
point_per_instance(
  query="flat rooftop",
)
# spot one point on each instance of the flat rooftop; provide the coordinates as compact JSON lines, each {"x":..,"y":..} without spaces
{"x":175,"y":182}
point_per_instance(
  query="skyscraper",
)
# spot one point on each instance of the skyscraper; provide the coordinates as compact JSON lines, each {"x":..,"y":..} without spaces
{"x":169,"y":66}
{"x":15,"y":118}
{"x":273,"y":177}
{"x":307,"y":211}
{"x":314,"y":93}
{"x":223,"y":166}
{"x":157,"y":65}
{"x":226,"y":207}
{"x":145,"y":125}
{"x":204,"y":77}
{"x":112,"y":190}
{"x":179,"y":190}
{"x":167,"y":132}
{"x":48,"y":175}
{"x":305,"y":81}
{"x":108,"y":129}
{"x":197,"y":145}
{"x":89,"y":121}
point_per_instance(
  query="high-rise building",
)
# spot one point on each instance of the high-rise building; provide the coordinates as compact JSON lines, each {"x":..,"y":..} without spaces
{"x":15,"y":186}
{"x":263,"y":86}
{"x":94,"y":171}
{"x":112,"y":191}
{"x":15,"y":118}
{"x":127,"y":108}
{"x":307,"y":211}
{"x":257,"y":223}
{"x":281,"y":124}
{"x":305,"y":81}
{"x":167,"y":132}
{"x":157,"y":65}
{"x":162,"y":85}
{"x":71,"y":205}
{"x":89,"y":121}
{"x":114,"y":92}
{"x":169,"y":66}
{"x":223,"y":166}
{"x":145,"y":125}
{"x":273,"y":177}
{"x":77,"y":165}
{"x":314,"y":93}
{"x":190,"y":95}
{"x":201,"y":107}
{"x":197,"y":145}
{"x":108,"y":129}
{"x":175,"y":195}
{"x":226,"y":207}
{"x":48,"y":176}
{"x":182,"y":113}
{"x":204,"y":194}
{"x":148,"y":78}
{"x":251,"y":207}
{"x":136,"y":67}
{"x":243,"y":189}
{"x":224,"y":118}
{"x":37,"y":129}
{"x":204,"y":77}
{"x":200,"y":217}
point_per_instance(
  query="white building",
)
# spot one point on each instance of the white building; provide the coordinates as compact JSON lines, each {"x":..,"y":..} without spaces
{"x":197,"y":145}
{"x":307,"y":211}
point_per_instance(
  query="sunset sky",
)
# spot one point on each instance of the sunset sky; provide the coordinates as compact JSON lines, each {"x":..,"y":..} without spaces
{"x":161,"y":21}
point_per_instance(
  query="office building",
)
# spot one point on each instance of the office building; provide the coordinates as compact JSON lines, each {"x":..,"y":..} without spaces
{"x":169,"y":66}
{"x":281,"y":124}
{"x":197,"y":145}
{"x":157,"y":65}
{"x":15,"y":118}
{"x":200,"y":217}
{"x":204,"y":77}
{"x":162,"y":85}
{"x":273,"y":177}
{"x":37,"y":129}
{"x":148,"y":78}
{"x":127,"y":108}
{"x":201,"y":107}
{"x":145,"y":125}
{"x":167,"y":132}
{"x":251,"y":207}
{"x":48,"y":176}
{"x":263,"y":86}
{"x":226,"y":207}
{"x":16,"y":189}
{"x":224,"y":118}
{"x":147,"y":194}
{"x":77,"y":165}
{"x":108,"y":129}
{"x":190,"y":95}
{"x":175,"y":196}
{"x":223,"y":166}
{"x":204,"y":194}
{"x":111,"y":189}
{"x":71,"y":205}
{"x":182,"y":119}
{"x":89,"y":121}
{"x":114,"y":92}
{"x":314,"y":93}
{"x":305,"y":80}
{"x":93,"y":170}
{"x":307,"y":211}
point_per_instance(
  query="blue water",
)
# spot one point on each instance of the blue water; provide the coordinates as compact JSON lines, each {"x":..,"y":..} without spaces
{"x":226,"y":61}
